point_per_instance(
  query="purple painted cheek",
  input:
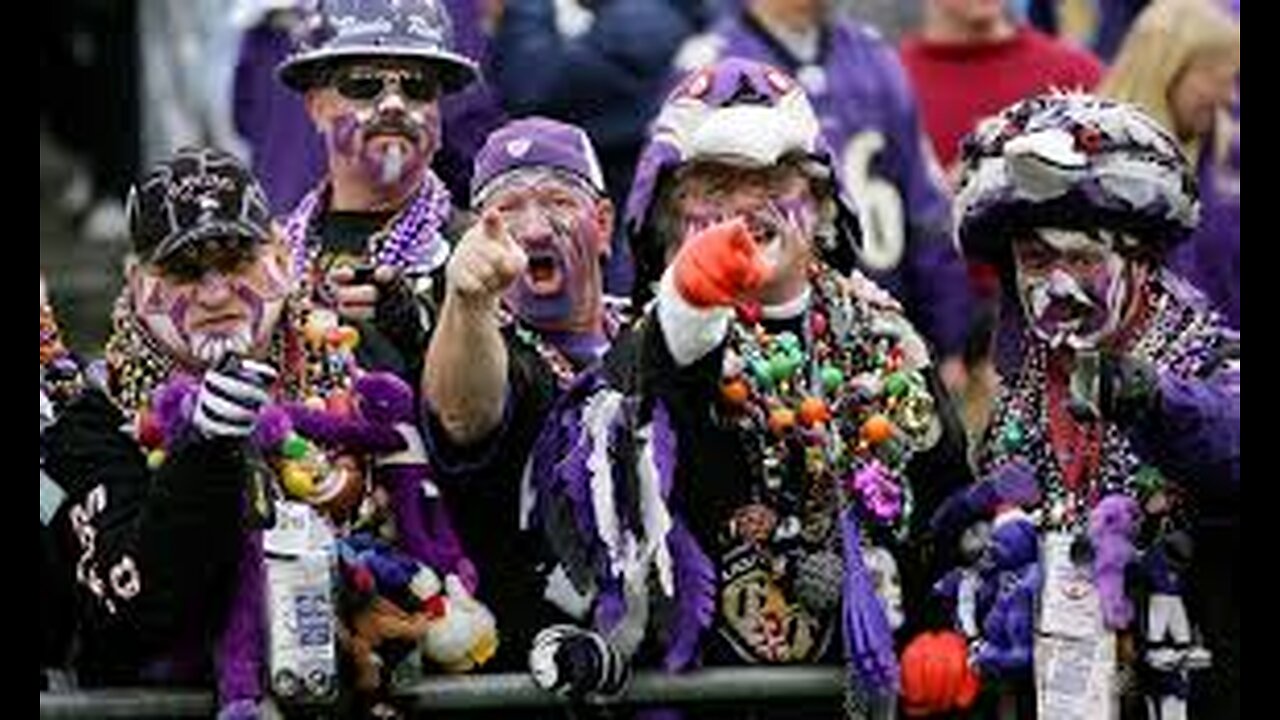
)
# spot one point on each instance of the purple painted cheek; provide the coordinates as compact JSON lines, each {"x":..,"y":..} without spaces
{"x":178,"y":316}
{"x":345,"y":134}
{"x":254,"y":302}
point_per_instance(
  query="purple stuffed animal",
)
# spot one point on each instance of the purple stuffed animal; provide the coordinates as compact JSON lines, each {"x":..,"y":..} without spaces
{"x":1113,"y":525}
{"x":1008,"y":629}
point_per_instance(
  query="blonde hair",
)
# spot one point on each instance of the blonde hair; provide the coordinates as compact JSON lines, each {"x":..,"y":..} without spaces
{"x":1163,"y":41}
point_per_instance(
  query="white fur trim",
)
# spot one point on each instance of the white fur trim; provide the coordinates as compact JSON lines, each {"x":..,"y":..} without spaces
{"x":653,"y":510}
{"x":789,"y":309}
{"x":561,"y":592}
{"x":691,"y":332}
{"x":598,"y":415}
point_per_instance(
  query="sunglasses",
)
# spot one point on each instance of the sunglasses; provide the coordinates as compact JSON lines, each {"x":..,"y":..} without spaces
{"x":227,"y":256}
{"x":364,"y":85}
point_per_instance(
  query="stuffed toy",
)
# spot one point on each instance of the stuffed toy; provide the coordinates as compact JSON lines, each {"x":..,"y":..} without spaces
{"x":1113,"y":526}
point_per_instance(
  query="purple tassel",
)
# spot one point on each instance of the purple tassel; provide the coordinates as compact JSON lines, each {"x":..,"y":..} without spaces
{"x":695,"y":581}
{"x":695,"y":575}
{"x":239,"y":655}
{"x":868,"y":639}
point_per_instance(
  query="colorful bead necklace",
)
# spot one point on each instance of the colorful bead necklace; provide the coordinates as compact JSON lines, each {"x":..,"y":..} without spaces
{"x":845,"y":404}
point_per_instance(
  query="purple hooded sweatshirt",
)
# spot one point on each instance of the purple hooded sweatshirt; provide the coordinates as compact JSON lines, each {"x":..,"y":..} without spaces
{"x":869,"y":116}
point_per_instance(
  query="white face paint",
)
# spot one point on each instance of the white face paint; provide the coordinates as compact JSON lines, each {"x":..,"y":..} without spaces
{"x":1073,"y":287}
{"x":884,"y":573}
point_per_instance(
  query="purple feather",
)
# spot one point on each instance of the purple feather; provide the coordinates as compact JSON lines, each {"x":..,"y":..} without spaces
{"x":174,"y":403}
{"x":239,"y":653}
{"x":868,"y":638}
{"x":272,"y":428}
{"x":610,"y":605}
{"x":664,"y":448}
{"x":695,"y":586}
{"x":560,"y":469}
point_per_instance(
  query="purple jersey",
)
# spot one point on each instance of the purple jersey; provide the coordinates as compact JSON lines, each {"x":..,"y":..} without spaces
{"x":288,"y":154}
{"x":868,"y":112}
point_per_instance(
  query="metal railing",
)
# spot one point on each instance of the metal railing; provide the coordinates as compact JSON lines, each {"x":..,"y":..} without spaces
{"x":746,"y":685}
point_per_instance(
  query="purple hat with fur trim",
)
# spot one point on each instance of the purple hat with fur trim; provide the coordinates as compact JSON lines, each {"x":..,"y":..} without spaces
{"x":740,"y":112}
{"x":1073,"y":161}
{"x":536,"y":142}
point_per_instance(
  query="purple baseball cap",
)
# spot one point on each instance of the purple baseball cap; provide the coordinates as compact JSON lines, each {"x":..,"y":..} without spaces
{"x":536,"y":142}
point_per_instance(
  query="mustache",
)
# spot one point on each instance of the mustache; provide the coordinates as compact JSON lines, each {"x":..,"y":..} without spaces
{"x":1060,"y":290}
{"x":396,"y":124}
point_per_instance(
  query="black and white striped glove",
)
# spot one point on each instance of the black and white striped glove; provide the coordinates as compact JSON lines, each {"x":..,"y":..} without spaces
{"x":230,"y":397}
{"x":574,"y":662}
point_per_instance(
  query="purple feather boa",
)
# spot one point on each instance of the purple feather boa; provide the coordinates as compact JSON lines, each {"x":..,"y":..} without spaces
{"x":238,"y":656}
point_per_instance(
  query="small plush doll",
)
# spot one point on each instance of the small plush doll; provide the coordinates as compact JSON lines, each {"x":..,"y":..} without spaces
{"x":1113,"y":526}
{"x":1170,"y":652}
{"x":1008,"y":630}
{"x":320,"y":454}
{"x":966,"y":516}
{"x":395,"y":597}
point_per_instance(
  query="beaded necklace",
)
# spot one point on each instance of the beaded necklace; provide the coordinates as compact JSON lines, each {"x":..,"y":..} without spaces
{"x":557,"y":361}
{"x":315,"y":356}
{"x":1176,"y":337}
{"x":60,"y":374}
{"x":411,"y":241}
{"x":848,"y":405}
{"x":302,"y":347}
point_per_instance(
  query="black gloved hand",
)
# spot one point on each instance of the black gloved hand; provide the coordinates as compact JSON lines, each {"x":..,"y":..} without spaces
{"x":1129,"y":388}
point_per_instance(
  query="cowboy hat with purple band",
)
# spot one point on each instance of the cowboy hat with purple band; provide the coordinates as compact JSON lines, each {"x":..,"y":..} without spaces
{"x":740,"y":112}
{"x":362,"y":29}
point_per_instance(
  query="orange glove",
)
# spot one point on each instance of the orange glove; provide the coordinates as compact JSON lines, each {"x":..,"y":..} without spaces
{"x":720,"y":266}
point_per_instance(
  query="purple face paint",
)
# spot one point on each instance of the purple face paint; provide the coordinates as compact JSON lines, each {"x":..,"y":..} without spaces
{"x":198,"y":321}
{"x":390,"y":144}
{"x":178,"y":316}
{"x":554,"y":223}
{"x":343,"y":137}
